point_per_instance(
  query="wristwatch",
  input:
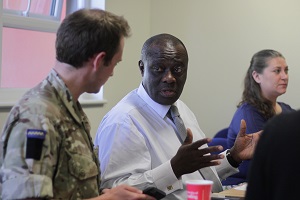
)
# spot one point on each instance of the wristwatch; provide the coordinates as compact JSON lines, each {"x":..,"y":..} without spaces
{"x":231,"y":161}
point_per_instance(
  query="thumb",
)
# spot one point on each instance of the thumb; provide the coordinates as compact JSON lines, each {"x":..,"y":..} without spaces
{"x":189,"y":137}
{"x":243,"y":127}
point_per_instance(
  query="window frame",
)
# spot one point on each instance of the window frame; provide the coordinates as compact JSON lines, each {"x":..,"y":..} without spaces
{"x":35,"y":22}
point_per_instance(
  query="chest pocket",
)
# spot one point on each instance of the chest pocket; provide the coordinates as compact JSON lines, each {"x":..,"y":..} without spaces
{"x":82,"y":167}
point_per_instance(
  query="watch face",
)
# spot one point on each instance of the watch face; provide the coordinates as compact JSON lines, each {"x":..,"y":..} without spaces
{"x":228,"y":153}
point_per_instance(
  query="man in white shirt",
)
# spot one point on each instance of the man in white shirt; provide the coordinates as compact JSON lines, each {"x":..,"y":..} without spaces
{"x":140,"y":145}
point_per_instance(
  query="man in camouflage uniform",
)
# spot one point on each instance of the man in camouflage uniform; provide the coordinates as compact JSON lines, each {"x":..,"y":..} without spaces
{"x":46,"y":138}
{"x":46,"y":147}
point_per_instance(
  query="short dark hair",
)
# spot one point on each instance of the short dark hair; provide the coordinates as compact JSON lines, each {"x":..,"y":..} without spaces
{"x":158,"y":40}
{"x":87,"y":32}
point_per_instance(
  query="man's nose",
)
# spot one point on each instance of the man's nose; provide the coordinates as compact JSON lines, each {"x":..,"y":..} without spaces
{"x":168,"y":77}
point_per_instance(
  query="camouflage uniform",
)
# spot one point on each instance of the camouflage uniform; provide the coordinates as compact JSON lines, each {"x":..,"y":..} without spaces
{"x":46,"y":147}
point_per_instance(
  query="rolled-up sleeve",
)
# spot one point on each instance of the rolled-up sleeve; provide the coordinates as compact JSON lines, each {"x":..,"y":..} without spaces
{"x":23,"y":177}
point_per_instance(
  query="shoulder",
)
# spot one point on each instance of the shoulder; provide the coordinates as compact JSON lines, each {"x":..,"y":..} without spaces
{"x":38,"y":102}
{"x":247,"y":107}
{"x":247,"y":111}
{"x":126,"y":107}
{"x":181,"y":105}
{"x":285,"y":107}
{"x":183,"y":108}
{"x":131,"y":101}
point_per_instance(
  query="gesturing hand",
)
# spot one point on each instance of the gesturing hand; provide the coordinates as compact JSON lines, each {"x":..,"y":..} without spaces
{"x":190,"y":157}
{"x":244,"y":144}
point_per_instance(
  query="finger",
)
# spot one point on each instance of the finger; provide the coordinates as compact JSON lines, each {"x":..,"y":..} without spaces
{"x":215,"y":148}
{"x":256,"y":136}
{"x":105,"y":190}
{"x":214,"y":163}
{"x":210,"y":149}
{"x":189,"y":137}
{"x":209,"y":158}
{"x":242,"y":128}
{"x":148,"y":197}
{"x":209,"y":164}
{"x":133,"y":189}
{"x":199,"y":143}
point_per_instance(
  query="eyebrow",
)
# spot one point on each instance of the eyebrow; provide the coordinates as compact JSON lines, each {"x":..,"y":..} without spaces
{"x":281,"y":67}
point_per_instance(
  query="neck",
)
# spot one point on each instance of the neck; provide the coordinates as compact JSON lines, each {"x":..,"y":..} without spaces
{"x":277,"y":108}
{"x":71,"y":77}
{"x":271,"y":98}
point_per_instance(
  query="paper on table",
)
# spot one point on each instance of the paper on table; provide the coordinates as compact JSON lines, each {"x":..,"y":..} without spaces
{"x":241,"y":187}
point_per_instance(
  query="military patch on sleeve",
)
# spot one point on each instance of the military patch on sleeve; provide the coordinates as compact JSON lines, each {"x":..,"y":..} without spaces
{"x":34,"y":146}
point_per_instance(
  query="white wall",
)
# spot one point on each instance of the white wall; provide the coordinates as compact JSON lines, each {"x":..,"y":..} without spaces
{"x":126,"y":74}
{"x":221,"y":36}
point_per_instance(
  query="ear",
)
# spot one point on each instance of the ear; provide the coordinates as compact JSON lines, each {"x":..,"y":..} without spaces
{"x":256,"y":77}
{"x":141,"y":66}
{"x":99,"y":60}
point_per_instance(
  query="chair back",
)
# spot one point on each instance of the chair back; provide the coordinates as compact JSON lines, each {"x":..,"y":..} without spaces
{"x":220,"y":139}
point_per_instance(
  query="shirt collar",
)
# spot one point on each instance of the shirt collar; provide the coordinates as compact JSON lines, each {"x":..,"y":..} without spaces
{"x":65,"y":95}
{"x":161,"y":110}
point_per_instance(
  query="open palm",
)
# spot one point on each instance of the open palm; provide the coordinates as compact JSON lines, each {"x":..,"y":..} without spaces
{"x":245,"y":144}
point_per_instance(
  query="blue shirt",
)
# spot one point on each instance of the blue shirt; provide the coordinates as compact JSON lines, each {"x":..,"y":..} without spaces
{"x":255,"y":122}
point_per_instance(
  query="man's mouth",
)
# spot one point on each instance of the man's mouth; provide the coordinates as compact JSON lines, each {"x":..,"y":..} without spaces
{"x":168,"y":92}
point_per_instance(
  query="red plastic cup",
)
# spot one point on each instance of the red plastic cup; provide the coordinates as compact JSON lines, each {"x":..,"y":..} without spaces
{"x":198,"y":189}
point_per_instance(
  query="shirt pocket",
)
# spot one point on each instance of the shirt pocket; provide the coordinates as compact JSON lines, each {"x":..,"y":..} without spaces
{"x":82,"y":167}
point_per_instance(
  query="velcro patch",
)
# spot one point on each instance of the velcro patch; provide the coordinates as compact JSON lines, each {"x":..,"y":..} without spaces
{"x":35,"y":133}
{"x":34,"y":146}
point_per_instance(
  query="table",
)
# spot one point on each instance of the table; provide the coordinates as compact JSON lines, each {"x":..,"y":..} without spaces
{"x":237,"y":193}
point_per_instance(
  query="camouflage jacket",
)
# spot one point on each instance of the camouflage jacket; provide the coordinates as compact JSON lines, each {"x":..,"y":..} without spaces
{"x":46,"y":147}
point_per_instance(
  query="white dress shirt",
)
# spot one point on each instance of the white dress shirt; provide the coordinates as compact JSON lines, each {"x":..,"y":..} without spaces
{"x":137,"y":141}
